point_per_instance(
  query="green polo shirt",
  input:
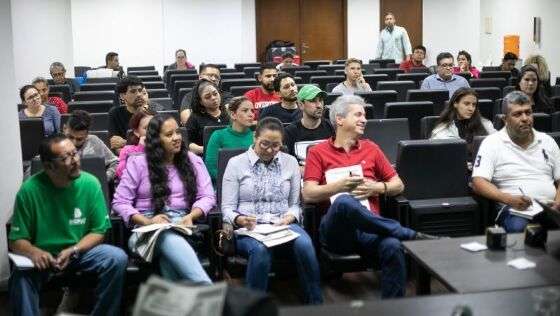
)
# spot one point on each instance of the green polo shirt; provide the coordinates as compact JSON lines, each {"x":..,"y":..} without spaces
{"x":52,"y":218}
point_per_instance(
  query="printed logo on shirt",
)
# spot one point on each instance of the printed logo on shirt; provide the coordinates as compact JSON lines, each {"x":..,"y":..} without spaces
{"x":78,"y":220}
{"x":15,"y":228}
{"x":264,"y":104}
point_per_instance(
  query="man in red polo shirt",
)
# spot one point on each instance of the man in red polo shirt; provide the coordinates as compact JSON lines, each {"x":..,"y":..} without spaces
{"x":416,"y":61}
{"x":264,"y":95}
{"x":349,"y":226}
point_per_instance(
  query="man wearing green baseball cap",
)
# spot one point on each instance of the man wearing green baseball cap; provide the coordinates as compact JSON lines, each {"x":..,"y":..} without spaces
{"x":312,"y":127}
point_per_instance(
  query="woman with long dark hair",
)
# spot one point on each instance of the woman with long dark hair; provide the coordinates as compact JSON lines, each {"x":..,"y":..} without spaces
{"x":207,"y":110}
{"x":530,"y":83}
{"x":166,"y":184}
{"x":461,"y":118}
{"x":262,"y":186}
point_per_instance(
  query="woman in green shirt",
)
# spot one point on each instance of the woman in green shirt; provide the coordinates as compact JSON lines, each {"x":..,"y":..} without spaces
{"x":237,"y":135}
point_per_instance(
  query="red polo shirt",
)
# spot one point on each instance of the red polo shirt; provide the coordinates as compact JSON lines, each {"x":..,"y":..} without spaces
{"x":406,"y":65}
{"x":325,"y":156}
{"x":260,"y":99}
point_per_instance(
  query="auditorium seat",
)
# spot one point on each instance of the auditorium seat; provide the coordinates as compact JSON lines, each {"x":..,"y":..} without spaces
{"x":427,"y":124}
{"x":62,"y":91}
{"x":416,"y":77}
{"x":488,"y":82}
{"x":102,"y":80}
{"x":233,"y":75}
{"x":307,"y":74}
{"x":168,"y":73}
{"x":166,"y":102}
{"x":177,"y":86}
{"x":382,"y":62}
{"x":91,"y":106}
{"x":138,"y":73}
{"x":206,"y":133}
{"x":180,"y":76}
{"x":292,"y":70}
{"x":250,"y":71}
{"x":507,"y":89}
{"x":180,"y":97}
{"x":103,"y":86}
{"x":495,"y":74}
{"x":31,"y":134}
{"x":490,"y":93}
{"x":413,"y":111}
{"x":373,"y":79}
{"x":378,"y":99}
{"x":438,"y":205}
{"x":154,"y":85}
{"x":486,"y":108}
{"x":240,"y":90}
{"x":386,"y":133}
{"x":150,"y":78}
{"x":322,"y":81}
{"x":330,"y":68}
{"x":491,"y":68}
{"x":315,"y":63}
{"x":158,"y":93}
{"x":437,"y":96}
{"x":140,"y":68}
{"x":241,"y":66}
{"x":401,"y":87}
{"x":342,"y":72}
{"x":391,"y":72}
{"x":331,"y":97}
{"x":228,"y":83}
{"x":228,"y":70}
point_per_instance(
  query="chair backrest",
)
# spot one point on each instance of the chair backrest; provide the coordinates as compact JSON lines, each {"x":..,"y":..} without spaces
{"x":31,"y":132}
{"x":486,"y":108}
{"x":488,"y":82}
{"x":306,"y":74}
{"x":180,"y":76}
{"x":109,"y":95}
{"x":437,"y":96}
{"x":149,"y":78}
{"x":103,"y":135}
{"x":422,"y":70}
{"x":158,"y":93}
{"x":401,"y":87}
{"x":316,"y":63}
{"x":99,"y":121}
{"x":250,"y":71}
{"x":91,"y":164}
{"x":228,"y":83}
{"x":168,"y":73}
{"x":391,"y":72}
{"x":64,"y":89}
{"x":90,"y":106}
{"x":292,"y":70}
{"x":477,"y":140}
{"x":427,"y":124}
{"x":382,"y":62}
{"x":507,"y":89}
{"x":491,"y":68}
{"x":240,"y":90}
{"x":102,"y":86}
{"x":322,"y":81}
{"x":373,"y":79}
{"x":102,"y":80}
{"x":555,"y":118}
{"x":555,"y":91}
{"x":495,"y":74}
{"x":386,"y":133}
{"x":341,"y":72}
{"x":490,"y":93}
{"x":228,"y":70}
{"x":206,"y":133}
{"x":166,"y":102}
{"x":442,"y":172}
{"x":413,"y":111}
{"x":224,"y":155}
{"x":330,"y":86}
{"x":241,"y":66}
{"x":555,"y":136}
{"x":370,"y":68}
{"x":79,"y":71}
{"x":331,"y":97}
{"x":177,"y":86}
{"x":330,"y":68}
{"x":139,"y":73}
{"x":416,"y":77}
{"x":140,"y":68}
{"x":233,"y":75}
{"x":378,"y":99}
{"x":180,"y":96}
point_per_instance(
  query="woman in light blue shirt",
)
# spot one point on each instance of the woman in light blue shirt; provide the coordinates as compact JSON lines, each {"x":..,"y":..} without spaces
{"x":31,"y":98}
{"x":262,"y":186}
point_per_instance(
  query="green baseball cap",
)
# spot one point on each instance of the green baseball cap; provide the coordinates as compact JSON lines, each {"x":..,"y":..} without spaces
{"x":309,"y":92}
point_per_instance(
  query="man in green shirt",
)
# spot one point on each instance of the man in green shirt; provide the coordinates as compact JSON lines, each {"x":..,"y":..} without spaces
{"x":59,"y":221}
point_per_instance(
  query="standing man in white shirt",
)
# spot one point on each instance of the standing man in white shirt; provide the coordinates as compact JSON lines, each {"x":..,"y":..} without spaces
{"x":393,"y":41}
{"x":517,"y":164}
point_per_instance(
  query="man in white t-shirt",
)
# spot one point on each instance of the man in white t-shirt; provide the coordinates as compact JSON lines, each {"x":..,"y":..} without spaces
{"x":517,"y":164}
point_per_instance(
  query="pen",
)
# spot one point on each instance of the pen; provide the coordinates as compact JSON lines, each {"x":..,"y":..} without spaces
{"x":520,"y":189}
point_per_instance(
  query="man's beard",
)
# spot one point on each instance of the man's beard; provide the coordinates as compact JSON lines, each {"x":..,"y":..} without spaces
{"x":269,"y":87}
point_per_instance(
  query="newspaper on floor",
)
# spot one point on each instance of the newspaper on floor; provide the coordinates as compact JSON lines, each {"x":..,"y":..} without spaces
{"x":158,"y":297}
{"x":336,"y":174}
{"x":148,"y":235}
{"x":269,"y":235}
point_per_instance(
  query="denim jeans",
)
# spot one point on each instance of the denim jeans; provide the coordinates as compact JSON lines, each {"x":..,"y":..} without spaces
{"x":177,"y":258}
{"x":107,"y":262}
{"x":510,"y":223}
{"x":349,"y":227}
{"x":300,"y":250}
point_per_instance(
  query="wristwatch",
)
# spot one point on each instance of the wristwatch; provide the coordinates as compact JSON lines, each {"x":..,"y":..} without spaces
{"x":75,"y":253}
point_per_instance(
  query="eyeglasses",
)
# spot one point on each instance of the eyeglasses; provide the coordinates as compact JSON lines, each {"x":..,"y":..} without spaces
{"x":446,"y":65}
{"x":33,"y":96}
{"x":265,"y":144}
{"x":67,"y":158}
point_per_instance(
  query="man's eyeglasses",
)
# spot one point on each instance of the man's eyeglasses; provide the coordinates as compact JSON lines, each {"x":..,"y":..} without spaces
{"x":446,"y":65}
{"x":67,"y":158}
{"x":266,"y":145}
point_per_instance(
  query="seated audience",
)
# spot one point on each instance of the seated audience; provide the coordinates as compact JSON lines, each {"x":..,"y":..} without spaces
{"x":77,"y":130}
{"x":58,"y":74}
{"x":181,"y":62}
{"x":136,"y":140}
{"x":540,"y":63}
{"x":264,"y":95}
{"x":287,"y":109}
{"x":530,"y":84}
{"x":34,"y":107}
{"x":348,"y":226}
{"x":461,"y":119}
{"x":112,"y":62}
{"x":464,"y":62}
{"x":516,"y":164}
{"x":444,"y":77}
{"x":236,"y":135}
{"x":209,"y":72}
{"x":43,"y":87}
{"x":59,"y":222}
{"x":130,"y":90}
{"x":287,"y":62}
{"x":207,"y":110}
{"x":312,"y":126}
{"x":508,"y":64}
{"x":355,"y":81}
{"x":262,"y":186}
{"x":416,"y":60}
{"x":166,"y":184}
